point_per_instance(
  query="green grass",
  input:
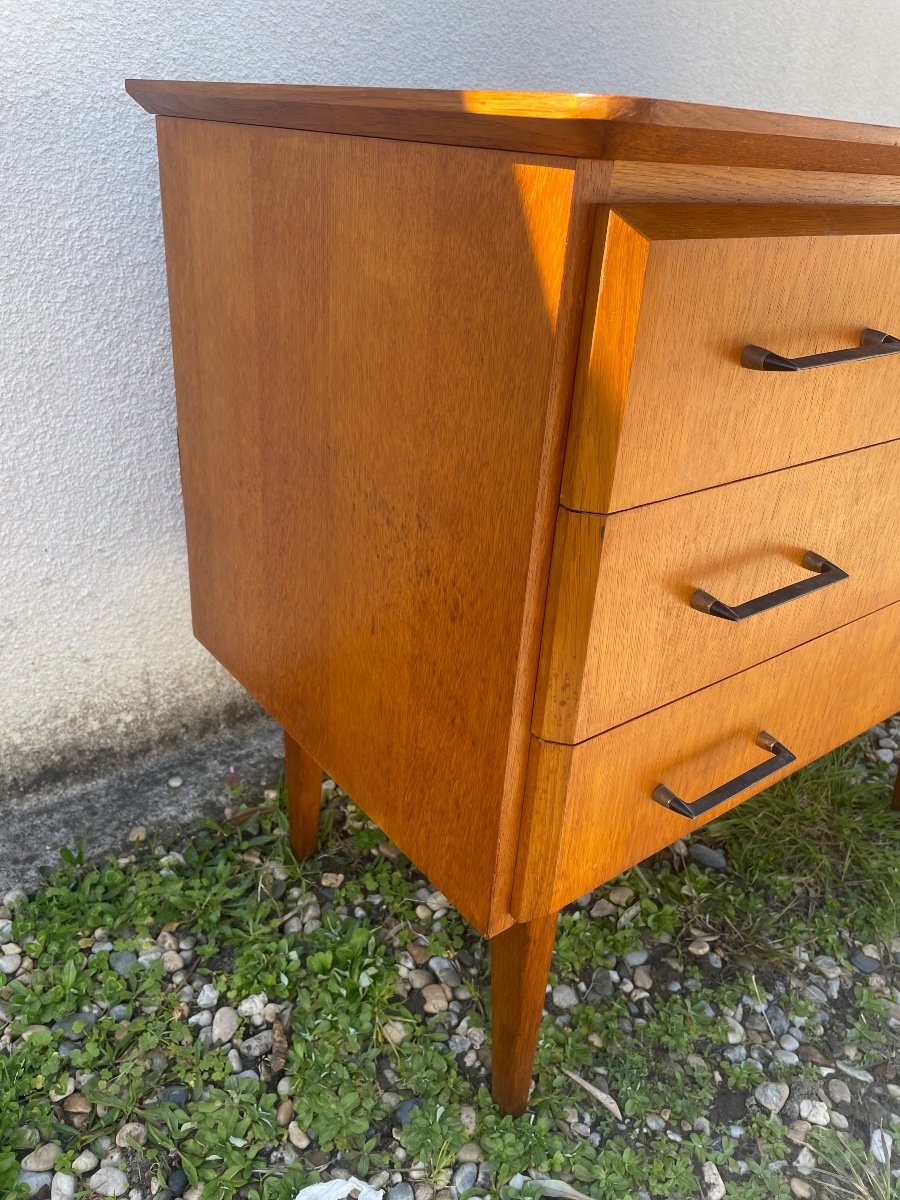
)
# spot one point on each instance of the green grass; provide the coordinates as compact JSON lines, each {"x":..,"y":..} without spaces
{"x":810,"y":864}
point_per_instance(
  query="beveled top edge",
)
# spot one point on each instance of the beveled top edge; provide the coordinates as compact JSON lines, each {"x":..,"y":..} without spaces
{"x":568,"y":124}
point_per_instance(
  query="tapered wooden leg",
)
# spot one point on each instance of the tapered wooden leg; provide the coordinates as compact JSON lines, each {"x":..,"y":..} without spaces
{"x":895,"y":803}
{"x":520,"y":963}
{"x":303,"y":780}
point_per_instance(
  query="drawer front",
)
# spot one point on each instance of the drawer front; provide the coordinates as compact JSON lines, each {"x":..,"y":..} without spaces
{"x":662,"y":404}
{"x":589,"y":810}
{"x":621,"y":636}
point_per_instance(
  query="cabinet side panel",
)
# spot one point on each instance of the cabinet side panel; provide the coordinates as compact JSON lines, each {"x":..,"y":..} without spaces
{"x":363,"y":335}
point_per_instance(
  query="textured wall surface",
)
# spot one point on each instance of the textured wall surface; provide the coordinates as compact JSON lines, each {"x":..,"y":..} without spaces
{"x":95,"y":644}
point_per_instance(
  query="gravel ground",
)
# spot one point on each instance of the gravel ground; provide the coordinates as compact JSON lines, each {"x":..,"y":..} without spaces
{"x":221,"y":1009}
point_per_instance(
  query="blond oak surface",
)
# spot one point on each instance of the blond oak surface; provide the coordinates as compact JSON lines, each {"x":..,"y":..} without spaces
{"x":589,"y":808}
{"x":620,"y":635}
{"x":636,"y":182}
{"x":303,"y":782}
{"x":363,"y":331}
{"x":597,"y":127}
{"x":520,"y":960}
{"x":678,"y":292}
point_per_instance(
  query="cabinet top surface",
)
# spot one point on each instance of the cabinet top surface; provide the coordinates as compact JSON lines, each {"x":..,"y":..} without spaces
{"x":569,"y":124}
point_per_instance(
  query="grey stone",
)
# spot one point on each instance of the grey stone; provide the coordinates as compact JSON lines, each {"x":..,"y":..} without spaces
{"x":705,"y":856}
{"x":122,"y":961}
{"x":76,"y":1025}
{"x":444,"y":971}
{"x":601,"y":985}
{"x":828,"y":967}
{"x":636,"y":958}
{"x":401,"y":1191}
{"x":177,"y":1182}
{"x":772,"y":1096}
{"x":36,"y":1183}
{"x":736,"y":1032}
{"x":857,"y":1073}
{"x":404,"y":1110}
{"x":778,"y":1022}
{"x":564,"y":996}
{"x":838,"y":1091}
{"x":864,"y":962}
{"x":175,"y":1093}
{"x":465,"y":1176}
{"x":257,"y":1046}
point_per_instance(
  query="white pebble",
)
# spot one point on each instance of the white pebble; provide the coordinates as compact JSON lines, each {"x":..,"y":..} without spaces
{"x":715,"y":1188}
{"x":86,"y":1161}
{"x":815,"y":1112}
{"x":881,"y":1145}
{"x":252,"y":1006}
{"x":109,"y":1181}
{"x":208,"y":997}
{"x":224,"y":1024}
{"x":62,"y":1187}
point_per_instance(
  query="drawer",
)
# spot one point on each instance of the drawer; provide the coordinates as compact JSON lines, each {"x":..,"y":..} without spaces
{"x":589,"y":809}
{"x":662,"y":404}
{"x":621,"y":636}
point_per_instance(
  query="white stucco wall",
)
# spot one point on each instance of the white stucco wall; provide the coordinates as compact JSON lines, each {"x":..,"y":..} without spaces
{"x":95,"y":643}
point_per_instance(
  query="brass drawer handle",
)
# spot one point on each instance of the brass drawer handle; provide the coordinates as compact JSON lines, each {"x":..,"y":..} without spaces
{"x":872,"y":344}
{"x":826,"y":573}
{"x":781,"y":757}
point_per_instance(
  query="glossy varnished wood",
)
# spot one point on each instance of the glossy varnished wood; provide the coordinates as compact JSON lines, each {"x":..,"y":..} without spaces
{"x":589,"y":809}
{"x":377,"y":302}
{"x":620,"y":635}
{"x":637,"y":182}
{"x":590,"y":126}
{"x":303,"y":782}
{"x":678,"y":291}
{"x":362,"y":332}
{"x":520,"y":960}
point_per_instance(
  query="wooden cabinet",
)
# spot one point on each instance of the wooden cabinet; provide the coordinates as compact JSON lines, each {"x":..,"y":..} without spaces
{"x":487,"y":500}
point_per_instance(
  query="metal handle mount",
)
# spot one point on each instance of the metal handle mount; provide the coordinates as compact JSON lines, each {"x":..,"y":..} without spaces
{"x":872,"y":344}
{"x":826,"y":573}
{"x":781,"y":757}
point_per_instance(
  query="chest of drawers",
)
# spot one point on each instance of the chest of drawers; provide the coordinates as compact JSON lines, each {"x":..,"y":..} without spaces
{"x":541,"y":466}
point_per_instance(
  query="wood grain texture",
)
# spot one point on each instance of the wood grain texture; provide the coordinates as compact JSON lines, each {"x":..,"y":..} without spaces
{"x":303,"y":782}
{"x":589,"y":809}
{"x":711,"y":280}
{"x":520,"y":963}
{"x":589,"y":126}
{"x":620,"y":636}
{"x":635,"y":182}
{"x":365,"y":341}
